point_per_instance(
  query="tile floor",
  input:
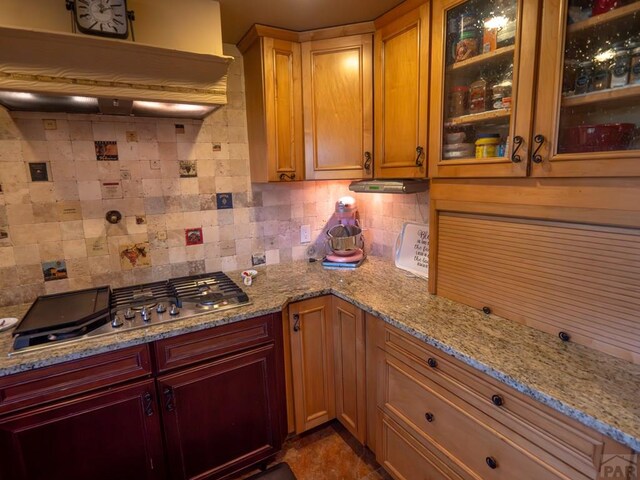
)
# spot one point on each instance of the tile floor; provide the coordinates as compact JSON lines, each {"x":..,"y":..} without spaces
{"x":328,"y":453}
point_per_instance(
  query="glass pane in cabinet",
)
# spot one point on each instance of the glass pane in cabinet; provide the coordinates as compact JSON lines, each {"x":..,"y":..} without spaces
{"x":601,"y":77}
{"x":479,"y":53}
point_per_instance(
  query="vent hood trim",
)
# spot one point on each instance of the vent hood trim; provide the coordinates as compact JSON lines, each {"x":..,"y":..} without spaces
{"x":54,"y":63}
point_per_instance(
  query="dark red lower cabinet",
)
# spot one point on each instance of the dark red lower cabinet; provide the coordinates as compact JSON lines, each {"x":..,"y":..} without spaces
{"x":113,"y":434}
{"x":222,"y":416}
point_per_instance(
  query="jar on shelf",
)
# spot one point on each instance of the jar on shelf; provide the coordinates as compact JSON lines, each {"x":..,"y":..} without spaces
{"x":501,"y":95}
{"x":467,"y":46}
{"x":619,"y":68}
{"x":584,"y":77}
{"x":458,"y":101}
{"x":601,"y":77}
{"x":487,"y":145}
{"x":571,"y":68}
{"x":634,"y":71}
{"x":478,"y":96}
{"x":507,"y":32}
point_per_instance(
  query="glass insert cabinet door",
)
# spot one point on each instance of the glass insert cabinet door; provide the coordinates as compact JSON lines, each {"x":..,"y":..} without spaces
{"x":588,"y":111}
{"x":485,"y":67}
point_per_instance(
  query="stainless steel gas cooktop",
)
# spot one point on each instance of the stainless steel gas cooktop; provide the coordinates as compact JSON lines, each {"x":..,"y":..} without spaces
{"x":83,"y":314}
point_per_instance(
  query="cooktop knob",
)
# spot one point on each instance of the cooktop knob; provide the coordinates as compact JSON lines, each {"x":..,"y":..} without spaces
{"x":161,"y":308}
{"x":129,"y":314}
{"x":174,"y":309}
{"x":117,"y":321}
{"x":144,"y":313}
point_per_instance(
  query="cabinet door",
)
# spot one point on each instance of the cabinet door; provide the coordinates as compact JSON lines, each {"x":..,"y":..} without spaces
{"x":349,"y":362}
{"x":274,"y":110}
{"x":338,"y":107}
{"x":311,"y":331}
{"x":401,"y":76}
{"x":108,"y":435}
{"x":222,"y":416}
{"x":588,"y":99}
{"x":482,"y":87}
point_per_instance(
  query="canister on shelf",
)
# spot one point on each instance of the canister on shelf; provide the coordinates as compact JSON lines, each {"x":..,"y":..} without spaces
{"x":478,"y":96}
{"x":489,"y":37}
{"x":634,"y":73}
{"x":501,"y":92}
{"x":458,"y":101}
{"x":619,"y":68}
{"x":571,"y":67}
{"x":487,"y":145}
{"x":584,"y":77}
{"x":601,"y":77}
{"x":467,"y":46}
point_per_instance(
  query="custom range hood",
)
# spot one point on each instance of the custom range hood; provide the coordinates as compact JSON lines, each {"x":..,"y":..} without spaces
{"x":48,"y":71}
{"x":390,"y":186}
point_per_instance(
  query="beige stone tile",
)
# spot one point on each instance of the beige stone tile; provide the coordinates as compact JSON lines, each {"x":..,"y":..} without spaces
{"x":20,"y":214}
{"x":195,"y":252}
{"x":61,"y":131}
{"x":30,"y":128}
{"x":84,"y":151}
{"x":228,"y":263}
{"x":166,"y":131}
{"x":42,"y":192}
{"x":50,"y":251}
{"x":34,"y":151}
{"x":273,"y":256}
{"x":7,"y":258}
{"x":14,"y":172}
{"x":60,"y":150}
{"x":78,"y":268}
{"x":11,"y":151}
{"x":103,"y":130}
{"x":128,"y":151}
{"x":97,"y":246}
{"x":89,"y":190}
{"x":80,"y":130}
{"x":66,"y":191}
{"x":177,"y":254}
{"x":74,"y":248}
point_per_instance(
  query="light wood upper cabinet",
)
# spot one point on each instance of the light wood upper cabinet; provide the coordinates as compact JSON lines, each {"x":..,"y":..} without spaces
{"x":481,"y":87}
{"x":338,"y":107}
{"x":401,"y":62}
{"x":349,"y":362}
{"x":274,"y":107}
{"x":572,"y":93}
{"x":311,"y":331}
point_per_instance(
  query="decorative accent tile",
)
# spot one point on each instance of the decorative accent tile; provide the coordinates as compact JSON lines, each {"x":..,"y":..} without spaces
{"x":258,"y":259}
{"x":224,"y":200}
{"x":39,"y":172}
{"x":106,"y":150}
{"x":56,"y":270}
{"x":194,"y":236}
{"x":134,"y":255}
{"x":188,"y":168}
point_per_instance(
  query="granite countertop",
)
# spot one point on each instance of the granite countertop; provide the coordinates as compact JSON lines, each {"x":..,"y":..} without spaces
{"x":596,"y":389}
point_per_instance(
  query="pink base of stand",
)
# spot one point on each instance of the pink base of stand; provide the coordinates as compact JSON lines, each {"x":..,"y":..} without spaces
{"x":355,"y":257}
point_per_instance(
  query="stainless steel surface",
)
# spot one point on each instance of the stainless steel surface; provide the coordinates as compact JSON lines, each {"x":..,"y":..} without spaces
{"x":344,"y":240}
{"x":390,"y":186}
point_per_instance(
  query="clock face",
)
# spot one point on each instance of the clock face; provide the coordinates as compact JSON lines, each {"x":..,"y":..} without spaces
{"x":102,"y":17}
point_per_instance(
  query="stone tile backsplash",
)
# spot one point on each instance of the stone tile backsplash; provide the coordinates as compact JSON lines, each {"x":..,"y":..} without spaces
{"x":172,"y":182}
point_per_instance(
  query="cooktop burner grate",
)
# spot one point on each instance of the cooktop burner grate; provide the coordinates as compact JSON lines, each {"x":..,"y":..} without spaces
{"x":207,"y":289}
{"x":138,"y":296}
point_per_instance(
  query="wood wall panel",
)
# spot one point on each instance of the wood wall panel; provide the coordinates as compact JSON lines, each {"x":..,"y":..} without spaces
{"x":555,"y":276}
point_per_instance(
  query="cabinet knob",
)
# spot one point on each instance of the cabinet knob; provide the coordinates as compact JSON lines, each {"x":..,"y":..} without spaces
{"x":564,"y":336}
{"x":296,"y":322}
{"x":517,"y":143}
{"x":497,"y":400}
{"x":419,"y":160}
{"x":486,"y":310}
{"x":491,"y":462}
{"x":429,"y":417}
{"x":432,"y":362}
{"x":367,"y":160}
{"x":539,"y":140}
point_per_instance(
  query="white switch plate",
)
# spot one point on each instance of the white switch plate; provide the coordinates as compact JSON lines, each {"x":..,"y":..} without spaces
{"x":305,"y":234}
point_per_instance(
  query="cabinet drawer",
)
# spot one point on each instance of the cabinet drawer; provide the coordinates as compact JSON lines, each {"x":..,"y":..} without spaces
{"x":213,"y":342}
{"x":70,"y":378}
{"x":440,"y":419}
{"x":406,"y":459}
{"x":536,"y":426}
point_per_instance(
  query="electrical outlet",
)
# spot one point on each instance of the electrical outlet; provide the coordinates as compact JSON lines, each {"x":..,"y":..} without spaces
{"x":305,"y":234}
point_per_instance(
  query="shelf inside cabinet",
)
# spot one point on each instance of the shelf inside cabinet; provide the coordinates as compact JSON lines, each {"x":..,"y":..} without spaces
{"x":483,"y":59}
{"x":611,"y":97}
{"x":472,"y":160}
{"x":619,"y":19}
{"x":490,"y":116}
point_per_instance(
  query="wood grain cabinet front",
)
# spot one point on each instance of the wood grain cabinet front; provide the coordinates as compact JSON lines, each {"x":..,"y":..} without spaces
{"x":401,"y":68}
{"x":337,"y":92}
{"x":102,"y":436}
{"x":273,"y":87}
{"x":485,"y":428}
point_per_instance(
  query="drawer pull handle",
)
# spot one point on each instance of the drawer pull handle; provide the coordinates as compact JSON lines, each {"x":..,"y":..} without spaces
{"x":296,"y":322}
{"x":367,"y":160}
{"x":432,"y":362}
{"x":491,"y":462}
{"x":429,"y":417}
{"x":148,"y":404}
{"x":497,"y":400}
{"x":536,"y":157}
{"x":517,"y":143}
{"x":419,"y":160}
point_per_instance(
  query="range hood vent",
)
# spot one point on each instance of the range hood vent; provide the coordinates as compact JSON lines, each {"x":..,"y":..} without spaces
{"x":390,"y":186}
{"x":73,"y":73}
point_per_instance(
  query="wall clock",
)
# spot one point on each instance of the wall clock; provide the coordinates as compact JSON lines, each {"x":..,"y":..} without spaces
{"x":106,"y":18}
